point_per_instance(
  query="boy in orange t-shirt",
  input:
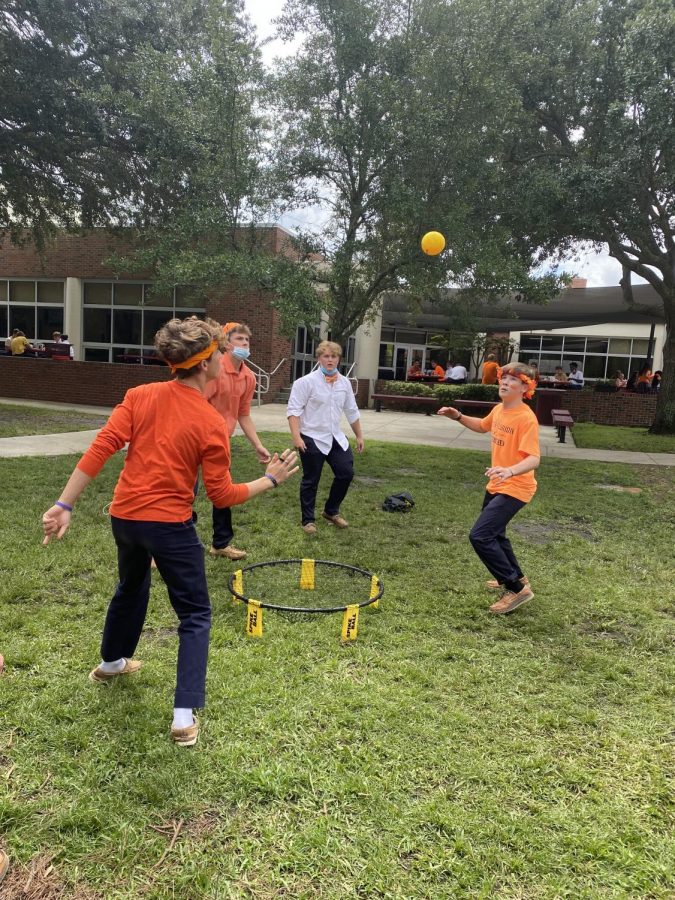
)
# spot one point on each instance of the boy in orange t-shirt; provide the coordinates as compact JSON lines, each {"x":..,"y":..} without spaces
{"x":515,"y":456}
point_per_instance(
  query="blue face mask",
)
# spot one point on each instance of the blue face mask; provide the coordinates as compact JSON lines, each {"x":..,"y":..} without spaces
{"x":328,"y":371}
{"x":241,"y":352}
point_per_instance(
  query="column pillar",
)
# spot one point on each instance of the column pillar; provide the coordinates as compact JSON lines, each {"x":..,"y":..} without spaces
{"x":72,"y":318}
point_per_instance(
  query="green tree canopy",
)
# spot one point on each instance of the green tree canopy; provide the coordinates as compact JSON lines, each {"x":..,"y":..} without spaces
{"x":590,"y":154}
{"x":380,"y":114}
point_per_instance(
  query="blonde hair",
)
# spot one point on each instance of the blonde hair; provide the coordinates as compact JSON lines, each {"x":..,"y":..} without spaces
{"x":239,"y":329}
{"x":518,"y":368}
{"x":180,"y":339}
{"x":328,"y":347}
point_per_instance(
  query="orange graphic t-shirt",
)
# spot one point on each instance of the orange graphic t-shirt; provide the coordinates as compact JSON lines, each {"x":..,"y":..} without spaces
{"x":515,"y":435}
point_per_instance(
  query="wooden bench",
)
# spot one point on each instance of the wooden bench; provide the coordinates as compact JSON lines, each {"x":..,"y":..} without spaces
{"x":562,"y":420}
{"x":379,"y":399}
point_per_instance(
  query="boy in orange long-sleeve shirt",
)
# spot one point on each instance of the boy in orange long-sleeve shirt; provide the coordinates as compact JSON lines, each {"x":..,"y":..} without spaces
{"x":171,"y":430}
{"x":515,"y":456}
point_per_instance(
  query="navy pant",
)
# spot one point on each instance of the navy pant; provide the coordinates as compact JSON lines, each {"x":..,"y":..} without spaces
{"x":488,"y":537}
{"x":222,"y":527}
{"x":341,"y":462}
{"x":179,"y":555}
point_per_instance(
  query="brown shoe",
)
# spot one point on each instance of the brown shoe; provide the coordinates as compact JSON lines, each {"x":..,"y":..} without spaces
{"x":494,"y":585}
{"x":4,"y":864}
{"x":131,"y":666}
{"x":309,"y":528}
{"x":336,"y":520}
{"x":186,"y":737}
{"x":510,"y":601}
{"x":230,"y":552}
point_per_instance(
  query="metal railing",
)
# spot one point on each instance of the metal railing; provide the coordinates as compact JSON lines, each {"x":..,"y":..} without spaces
{"x":262,"y":378}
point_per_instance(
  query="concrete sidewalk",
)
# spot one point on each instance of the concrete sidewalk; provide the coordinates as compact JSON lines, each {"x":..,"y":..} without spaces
{"x":388,"y":425}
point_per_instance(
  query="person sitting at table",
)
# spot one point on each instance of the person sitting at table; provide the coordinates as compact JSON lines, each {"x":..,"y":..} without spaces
{"x":415,"y":370}
{"x":656,"y":381}
{"x":20,"y":343}
{"x":535,"y":368}
{"x":490,"y":367}
{"x":559,"y":376}
{"x":8,"y":341}
{"x":437,"y":371}
{"x":456,"y":374}
{"x":619,"y":379}
{"x":644,"y":380}
{"x":576,"y":377}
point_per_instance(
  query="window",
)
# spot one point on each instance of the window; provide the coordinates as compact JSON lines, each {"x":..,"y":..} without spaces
{"x":49,"y":320}
{"x":23,"y":318}
{"x":597,"y":357}
{"x":126,"y":326}
{"x":22,"y":292}
{"x":120,"y":318}
{"x":50,"y":292}
{"x":92,"y":354}
{"x":35,"y":307}
{"x":410,"y":337}
{"x":386,"y":359}
{"x":97,"y":326}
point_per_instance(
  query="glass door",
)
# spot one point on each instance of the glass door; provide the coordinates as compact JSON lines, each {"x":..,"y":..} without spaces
{"x":404,"y":356}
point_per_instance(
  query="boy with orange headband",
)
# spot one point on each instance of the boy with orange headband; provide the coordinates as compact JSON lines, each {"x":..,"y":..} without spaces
{"x":171,"y":431}
{"x":231,"y":394}
{"x":515,"y":456}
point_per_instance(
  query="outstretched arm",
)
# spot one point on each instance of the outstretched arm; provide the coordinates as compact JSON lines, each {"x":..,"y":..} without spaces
{"x":470,"y":422}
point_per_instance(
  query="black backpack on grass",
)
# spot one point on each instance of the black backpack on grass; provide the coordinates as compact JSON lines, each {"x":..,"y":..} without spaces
{"x":401,"y":502}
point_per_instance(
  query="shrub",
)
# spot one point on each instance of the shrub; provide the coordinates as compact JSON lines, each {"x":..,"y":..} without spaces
{"x":605,"y":386}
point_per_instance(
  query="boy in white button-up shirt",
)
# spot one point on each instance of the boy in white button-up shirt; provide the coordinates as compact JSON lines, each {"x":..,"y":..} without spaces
{"x":315,"y":410}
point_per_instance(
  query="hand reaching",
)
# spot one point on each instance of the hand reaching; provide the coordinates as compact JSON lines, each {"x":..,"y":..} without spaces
{"x":283,"y":466}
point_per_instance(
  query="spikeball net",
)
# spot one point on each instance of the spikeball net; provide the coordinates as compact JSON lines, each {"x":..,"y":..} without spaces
{"x":306,"y":587}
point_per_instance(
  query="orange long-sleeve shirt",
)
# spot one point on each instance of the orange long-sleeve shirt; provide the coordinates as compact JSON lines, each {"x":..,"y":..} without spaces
{"x":171,"y":430}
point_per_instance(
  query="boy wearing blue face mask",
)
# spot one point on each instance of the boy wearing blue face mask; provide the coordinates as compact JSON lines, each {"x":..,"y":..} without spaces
{"x":231,"y":394}
{"x":315,"y":409}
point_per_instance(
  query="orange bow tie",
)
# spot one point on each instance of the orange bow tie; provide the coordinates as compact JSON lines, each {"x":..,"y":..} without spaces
{"x":331,"y":378}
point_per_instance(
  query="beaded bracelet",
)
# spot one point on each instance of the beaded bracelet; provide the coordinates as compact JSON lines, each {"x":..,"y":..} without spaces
{"x":63,"y":505}
{"x":272,"y":479}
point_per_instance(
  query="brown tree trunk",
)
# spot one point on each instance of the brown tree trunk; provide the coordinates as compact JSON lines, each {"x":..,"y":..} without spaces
{"x":664,"y":420}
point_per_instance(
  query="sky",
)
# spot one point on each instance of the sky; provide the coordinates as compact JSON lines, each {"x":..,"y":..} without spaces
{"x":598,"y":268}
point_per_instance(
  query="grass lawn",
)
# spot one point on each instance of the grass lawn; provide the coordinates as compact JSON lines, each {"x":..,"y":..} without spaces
{"x":16,"y":421}
{"x":445,"y":754}
{"x":620,"y":437}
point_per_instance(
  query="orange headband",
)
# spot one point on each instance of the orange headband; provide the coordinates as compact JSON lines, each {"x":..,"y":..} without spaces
{"x":197,"y":358}
{"x":230,"y":327}
{"x":530,"y":382}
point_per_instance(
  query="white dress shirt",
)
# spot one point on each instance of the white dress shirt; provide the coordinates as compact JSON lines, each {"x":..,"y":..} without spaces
{"x":577,"y":377}
{"x":457,"y":372}
{"x":319,"y":406}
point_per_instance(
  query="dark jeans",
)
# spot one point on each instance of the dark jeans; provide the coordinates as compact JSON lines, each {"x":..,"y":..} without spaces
{"x":179,"y":555}
{"x":341,"y":462}
{"x":488,"y":537}
{"x":222,"y":527}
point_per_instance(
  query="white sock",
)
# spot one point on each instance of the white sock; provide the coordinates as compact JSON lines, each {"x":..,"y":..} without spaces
{"x":112,"y":667}
{"x":182,"y":717}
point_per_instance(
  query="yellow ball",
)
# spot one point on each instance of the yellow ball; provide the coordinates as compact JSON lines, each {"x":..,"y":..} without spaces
{"x":433,"y":243}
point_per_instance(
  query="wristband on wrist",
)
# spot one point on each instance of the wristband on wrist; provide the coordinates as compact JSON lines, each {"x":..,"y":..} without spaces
{"x":459,"y":417}
{"x":513,"y":474}
{"x":272,"y":479}
{"x":63,"y":505}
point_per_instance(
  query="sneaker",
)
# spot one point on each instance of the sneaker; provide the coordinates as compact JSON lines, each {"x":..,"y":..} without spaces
{"x":4,"y":864}
{"x":510,"y":601}
{"x":494,"y":585}
{"x":131,"y":666}
{"x":336,"y":520}
{"x":309,"y":528}
{"x":186,"y":737}
{"x":230,"y":552}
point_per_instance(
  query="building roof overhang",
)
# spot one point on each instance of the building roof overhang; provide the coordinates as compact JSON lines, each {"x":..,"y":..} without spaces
{"x":573,"y":307}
